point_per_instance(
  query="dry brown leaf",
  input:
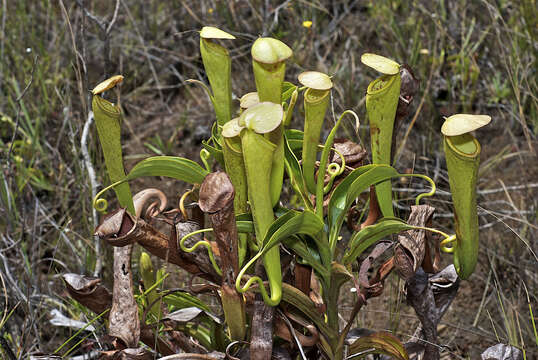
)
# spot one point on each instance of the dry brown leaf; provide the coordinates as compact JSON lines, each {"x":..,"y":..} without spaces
{"x":88,"y":291}
{"x":410,"y":250}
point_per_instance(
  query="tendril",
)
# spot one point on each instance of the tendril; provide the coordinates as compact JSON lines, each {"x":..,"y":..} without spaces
{"x":253,"y":279}
{"x":204,"y":156}
{"x":101,"y":204}
{"x":426,"y":194}
{"x":323,"y":162}
{"x":182,"y":203}
{"x":204,"y":243}
{"x":334,"y":170}
{"x":447,"y":239}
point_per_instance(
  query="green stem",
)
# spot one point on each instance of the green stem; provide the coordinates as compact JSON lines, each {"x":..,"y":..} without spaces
{"x":323,"y":163}
{"x":203,"y":243}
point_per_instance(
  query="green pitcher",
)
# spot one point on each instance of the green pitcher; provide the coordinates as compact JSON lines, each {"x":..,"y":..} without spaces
{"x":462,"y":152}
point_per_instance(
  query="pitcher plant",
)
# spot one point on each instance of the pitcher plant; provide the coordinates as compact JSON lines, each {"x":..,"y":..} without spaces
{"x":299,"y":246}
{"x":462,"y":153}
{"x":381,"y":104}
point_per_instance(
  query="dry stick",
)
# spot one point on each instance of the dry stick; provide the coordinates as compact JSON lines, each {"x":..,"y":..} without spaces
{"x":148,"y":58}
{"x":106,"y":29}
{"x":78,"y":73}
{"x":93,"y":187}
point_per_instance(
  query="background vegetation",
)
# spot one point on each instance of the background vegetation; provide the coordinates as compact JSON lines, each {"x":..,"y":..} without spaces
{"x":471,"y":56}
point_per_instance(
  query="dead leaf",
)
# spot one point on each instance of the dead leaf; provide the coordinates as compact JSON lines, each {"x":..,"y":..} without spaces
{"x":121,"y":228}
{"x":410,"y":250}
{"x":59,"y":319}
{"x":127,"y":354}
{"x":430,"y":297}
{"x":502,"y":352}
{"x":88,"y":291}
{"x":217,"y":200}
{"x":261,"y":338}
{"x":141,"y":201}
{"x":282,"y":329}
{"x":353,"y":153}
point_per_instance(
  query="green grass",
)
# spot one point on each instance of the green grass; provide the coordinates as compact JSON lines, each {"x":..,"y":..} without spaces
{"x":471,"y":56}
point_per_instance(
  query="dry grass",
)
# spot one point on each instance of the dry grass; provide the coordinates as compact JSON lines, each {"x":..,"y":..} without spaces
{"x":471,"y":56}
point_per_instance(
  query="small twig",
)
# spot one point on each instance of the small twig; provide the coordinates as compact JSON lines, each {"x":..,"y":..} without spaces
{"x":19,"y":107}
{"x":106,"y":28}
{"x":147,"y":56}
{"x":93,"y":186}
{"x":292,"y":331}
{"x":114,"y":18}
{"x":100,"y":23}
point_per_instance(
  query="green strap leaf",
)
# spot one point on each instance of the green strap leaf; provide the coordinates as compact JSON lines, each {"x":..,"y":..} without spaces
{"x":299,"y":247}
{"x":297,"y":298}
{"x":337,"y":202}
{"x":295,"y":139}
{"x":287,"y":90}
{"x":181,"y":300}
{"x":348,"y":191}
{"x":169,"y":166}
{"x":291,"y":223}
{"x":287,"y":225}
{"x":368,"y":236}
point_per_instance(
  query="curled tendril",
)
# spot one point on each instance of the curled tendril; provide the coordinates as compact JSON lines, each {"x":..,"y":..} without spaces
{"x":320,"y":189}
{"x":101,"y":204}
{"x":254,"y":279}
{"x":334,"y":170}
{"x":448,"y":241}
{"x":426,"y":194}
{"x":204,"y":156}
{"x":182,"y":203}
{"x":204,"y":243}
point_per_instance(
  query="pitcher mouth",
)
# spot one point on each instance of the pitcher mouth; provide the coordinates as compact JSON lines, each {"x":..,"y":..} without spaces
{"x":106,"y":106}
{"x":381,"y":84}
{"x":464,"y":145}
